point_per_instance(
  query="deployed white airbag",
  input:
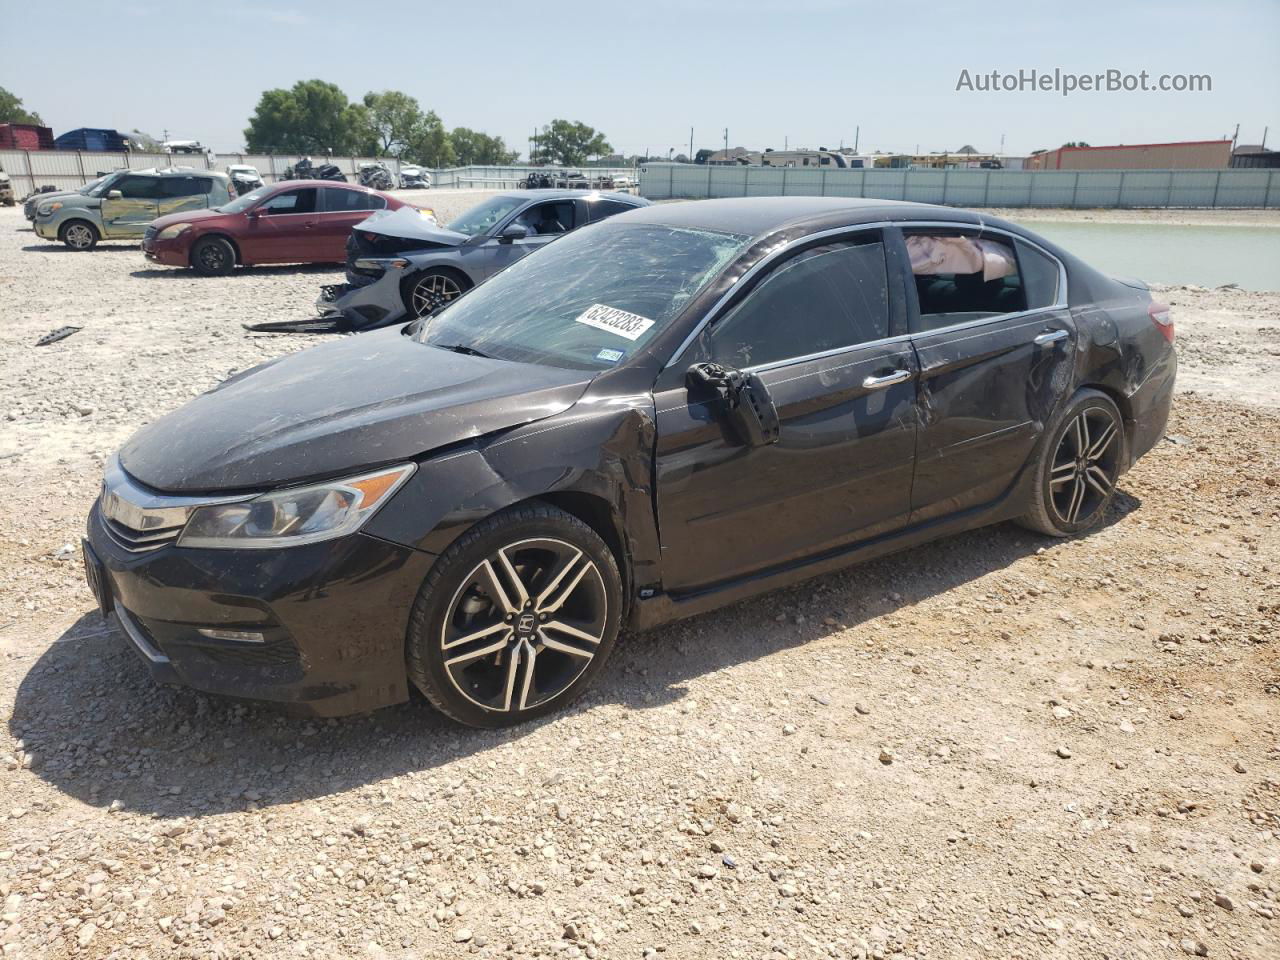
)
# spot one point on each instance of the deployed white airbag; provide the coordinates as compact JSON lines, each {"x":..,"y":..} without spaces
{"x":933,"y":254}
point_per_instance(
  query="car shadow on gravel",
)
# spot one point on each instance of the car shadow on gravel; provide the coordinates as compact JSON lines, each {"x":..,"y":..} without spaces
{"x":54,"y":246}
{"x":278,"y":270}
{"x":102,"y":731}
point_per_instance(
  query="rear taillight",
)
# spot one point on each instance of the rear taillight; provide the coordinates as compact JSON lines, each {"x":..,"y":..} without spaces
{"x":1162,"y":318}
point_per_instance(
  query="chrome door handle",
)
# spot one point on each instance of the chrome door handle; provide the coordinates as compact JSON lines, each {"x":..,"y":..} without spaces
{"x":888,"y":380}
{"x":1050,"y":336}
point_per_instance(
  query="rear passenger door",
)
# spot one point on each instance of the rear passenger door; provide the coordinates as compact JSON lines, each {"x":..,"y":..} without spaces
{"x":995,"y":341}
{"x":184,"y":193}
{"x":342,"y":209}
{"x":817,"y":328}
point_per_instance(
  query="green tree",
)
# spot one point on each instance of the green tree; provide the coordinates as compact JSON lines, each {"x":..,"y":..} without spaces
{"x":429,"y":143}
{"x":480,"y":149}
{"x":311,"y":117}
{"x":569,"y":143}
{"x":392,"y":120}
{"x":12,"y":110}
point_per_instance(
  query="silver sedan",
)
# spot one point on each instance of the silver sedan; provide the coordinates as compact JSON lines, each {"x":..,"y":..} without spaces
{"x":401,"y":266}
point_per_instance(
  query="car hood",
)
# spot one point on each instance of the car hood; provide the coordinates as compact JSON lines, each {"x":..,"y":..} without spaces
{"x":187,"y":216}
{"x":407,"y":224}
{"x":341,"y":407}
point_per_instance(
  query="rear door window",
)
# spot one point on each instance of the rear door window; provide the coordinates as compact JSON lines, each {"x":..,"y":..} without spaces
{"x":603,"y":209}
{"x":291,"y":201}
{"x":824,"y":298}
{"x":338,"y":200}
{"x":184,"y":186}
{"x":960,"y":278}
{"x":550,"y":218}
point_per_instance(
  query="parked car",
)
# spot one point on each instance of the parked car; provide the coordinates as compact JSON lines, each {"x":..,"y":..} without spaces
{"x":400,"y":267}
{"x":49,"y":192}
{"x":297,"y":221}
{"x":682,"y":406}
{"x":121,"y":204}
{"x":6,"y":189}
{"x":414,"y":177}
{"x":244,"y":178}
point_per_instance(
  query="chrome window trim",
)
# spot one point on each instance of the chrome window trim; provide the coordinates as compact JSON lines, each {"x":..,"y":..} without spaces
{"x":714,"y":312}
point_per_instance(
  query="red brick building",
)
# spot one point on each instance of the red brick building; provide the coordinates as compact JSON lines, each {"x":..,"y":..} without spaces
{"x":1187,"y":155}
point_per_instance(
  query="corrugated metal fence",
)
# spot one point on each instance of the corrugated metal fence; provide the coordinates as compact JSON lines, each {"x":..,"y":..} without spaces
{"x":67,"y":169}
{"x":973,"y":188}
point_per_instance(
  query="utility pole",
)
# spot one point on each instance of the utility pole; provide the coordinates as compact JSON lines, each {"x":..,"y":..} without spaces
{"x":1264,"y":137}
{"x":691,"y":144}
{"x":786,"y":144}
{"x":856,"y":133}
{"x":726,"y":144}
{"x":1234,"y":137}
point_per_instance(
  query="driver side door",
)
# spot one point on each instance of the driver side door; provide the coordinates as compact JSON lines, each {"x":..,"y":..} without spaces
{"x":546,"y":221}
{"x":137,"y":205}
{"x":818,"y":330}
{"x":284,"y":228}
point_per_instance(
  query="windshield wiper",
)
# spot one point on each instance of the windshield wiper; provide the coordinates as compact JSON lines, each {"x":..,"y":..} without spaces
{"x":463,"y":348}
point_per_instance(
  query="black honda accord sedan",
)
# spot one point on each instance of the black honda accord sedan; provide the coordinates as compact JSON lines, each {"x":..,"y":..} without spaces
{"x":668,"y":411}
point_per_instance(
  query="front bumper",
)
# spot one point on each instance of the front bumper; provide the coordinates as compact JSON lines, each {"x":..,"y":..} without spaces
{"x":171,"y":253}
{"x":48,"y":229}
{"x":368,"y":307}
{"x":333,"y":617}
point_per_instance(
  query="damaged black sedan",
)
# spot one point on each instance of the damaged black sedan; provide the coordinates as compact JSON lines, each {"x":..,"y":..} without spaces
{"x":656,"y":415}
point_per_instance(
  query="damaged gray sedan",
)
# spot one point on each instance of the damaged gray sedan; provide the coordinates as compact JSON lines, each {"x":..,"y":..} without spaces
{"x":401,"y":267}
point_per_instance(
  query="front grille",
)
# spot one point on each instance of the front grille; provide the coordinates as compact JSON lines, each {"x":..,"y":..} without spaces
{"x":140,"y":541}
{"x":149,"y":235}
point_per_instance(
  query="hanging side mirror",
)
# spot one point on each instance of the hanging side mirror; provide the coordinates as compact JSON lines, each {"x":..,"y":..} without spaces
{"x":741,"y":399}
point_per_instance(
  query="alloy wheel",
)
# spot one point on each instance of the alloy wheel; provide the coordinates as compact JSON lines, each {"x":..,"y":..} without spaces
{"x":78,"y":236}
{"x":433,"y":292}
{"x":213,"y":257}
{"x":524,"y":625}
{"x":1085,"y":466}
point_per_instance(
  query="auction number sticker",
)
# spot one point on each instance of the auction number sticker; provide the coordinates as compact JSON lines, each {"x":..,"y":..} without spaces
{"x":624,"y":324}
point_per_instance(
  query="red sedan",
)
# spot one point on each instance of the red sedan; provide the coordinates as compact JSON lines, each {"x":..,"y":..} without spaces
{"x":297,"y":221}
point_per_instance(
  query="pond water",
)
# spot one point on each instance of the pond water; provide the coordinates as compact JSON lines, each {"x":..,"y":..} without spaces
{"x":1171,"y":253}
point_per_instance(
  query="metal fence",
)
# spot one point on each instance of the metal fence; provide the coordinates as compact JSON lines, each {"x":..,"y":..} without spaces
{"x":973,"y":188}
{"x":69,"y":169}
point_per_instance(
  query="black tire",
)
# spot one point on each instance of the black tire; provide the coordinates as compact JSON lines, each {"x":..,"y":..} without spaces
{"x":1076,"y":466}
{"x":460,"y":610}
{"x":213,"y":256}
{"x":430,"y":290}
{"x":79,"y":234}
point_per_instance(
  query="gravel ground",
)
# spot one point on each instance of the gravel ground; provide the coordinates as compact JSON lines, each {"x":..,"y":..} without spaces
{"x":995,"y":746}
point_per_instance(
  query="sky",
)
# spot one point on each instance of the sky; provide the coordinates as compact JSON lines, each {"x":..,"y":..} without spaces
{"x":803,"y":73}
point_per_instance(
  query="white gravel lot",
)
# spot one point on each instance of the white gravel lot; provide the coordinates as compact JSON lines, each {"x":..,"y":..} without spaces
{"x":996,"y":746}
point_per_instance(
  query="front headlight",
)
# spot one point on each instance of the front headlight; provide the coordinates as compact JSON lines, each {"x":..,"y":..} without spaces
{"x":173,"y":230}
{"x":296,"y":515}
{"x":381,"y":263}
{"x":48,"y":209}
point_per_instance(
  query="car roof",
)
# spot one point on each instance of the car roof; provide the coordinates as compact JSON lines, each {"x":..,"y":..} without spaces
{"x":171,"y":172}
{"x":323,"y":183}
{"x":759,"y":216}
{"x":570,"y":194}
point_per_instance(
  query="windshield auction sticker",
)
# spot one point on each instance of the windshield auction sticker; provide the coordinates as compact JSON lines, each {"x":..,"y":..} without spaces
{"x":624,"y":324}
